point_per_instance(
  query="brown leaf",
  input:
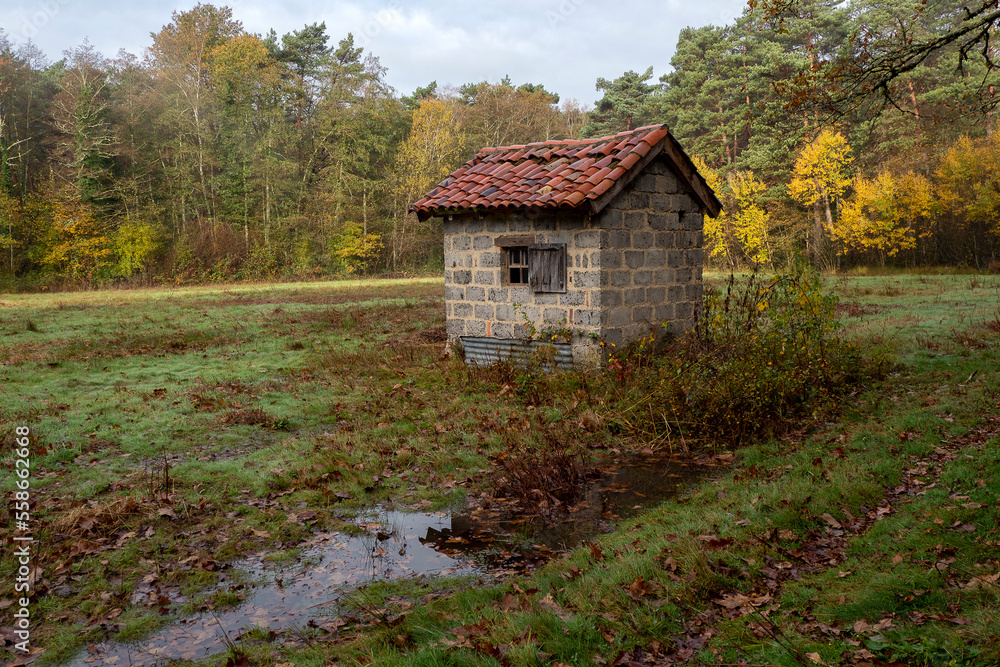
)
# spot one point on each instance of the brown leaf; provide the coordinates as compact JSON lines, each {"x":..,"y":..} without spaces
{"x":830,"y":520}
{"x":981,"y":581}
{"x":897,"y":559}
{"x":167,"y":512}
{"x":27,"y":659}
{"x":550,"y":604}
{"x":511,"y":602}
{"x":733,"y":601}
{"x":638,"y":588}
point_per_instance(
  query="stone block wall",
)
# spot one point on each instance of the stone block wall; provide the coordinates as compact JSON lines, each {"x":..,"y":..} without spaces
{"x":652,"y":256}
{"x":633,"y":266}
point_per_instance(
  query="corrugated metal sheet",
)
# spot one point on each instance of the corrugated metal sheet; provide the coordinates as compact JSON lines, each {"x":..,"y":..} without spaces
{"x":486,"y":351}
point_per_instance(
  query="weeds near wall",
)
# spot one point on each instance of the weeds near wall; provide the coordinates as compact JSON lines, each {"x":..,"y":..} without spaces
{"x":764,"y":357}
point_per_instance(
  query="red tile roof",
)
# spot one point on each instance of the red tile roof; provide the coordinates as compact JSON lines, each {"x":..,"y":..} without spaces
{"x":582,"y":174}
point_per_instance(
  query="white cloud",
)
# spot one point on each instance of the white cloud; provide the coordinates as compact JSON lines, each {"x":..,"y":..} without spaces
{"x":563,"y":44}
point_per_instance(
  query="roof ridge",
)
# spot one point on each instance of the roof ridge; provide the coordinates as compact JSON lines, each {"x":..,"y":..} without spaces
{"x":645,"y":129}
{"x":560,"y":174}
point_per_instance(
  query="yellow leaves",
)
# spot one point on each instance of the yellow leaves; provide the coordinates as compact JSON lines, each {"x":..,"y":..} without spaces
{"x":716,"y":229}
{"x":355,"y":247}
{"x":80,"y":242}
{"x":751,"y":222}
{"x":969,"y":185}
{"x":821,"y":169}
{"x":884,"y":213}
{"x":134,"y":243}
{"x":244,"y":71}
{"x":431,"y":151}
{"x":743,"y":220}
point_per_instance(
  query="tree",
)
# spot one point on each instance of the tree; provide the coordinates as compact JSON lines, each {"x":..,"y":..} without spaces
{"x":698,"y":101}
{"x":431,"y":151}
{"x":305,"y":52}
{"x":751,"y":222}
{"x":625,"y":105}
{"x":84,"y":136}
{"x":969,"y":191}
{"x":411,"y":102}
{"x":80,"y":244}
{"x":357,"y":124}
{"x":249,"y":91}
{"x":500,"y":114}
{"x":867,"y":76}
{"x":820,"y":176}
{"x":181,"y":57}
{"x":719,"y":237}
{"x":884,"y":214}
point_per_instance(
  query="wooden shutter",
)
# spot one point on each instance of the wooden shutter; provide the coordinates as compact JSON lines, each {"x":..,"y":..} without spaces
{"x":547,"y":267}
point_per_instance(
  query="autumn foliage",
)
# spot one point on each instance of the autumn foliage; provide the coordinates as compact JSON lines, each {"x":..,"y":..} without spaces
{"x":764,"y":357}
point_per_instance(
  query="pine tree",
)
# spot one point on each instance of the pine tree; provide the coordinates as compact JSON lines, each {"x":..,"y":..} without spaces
{"x":627,"y":104}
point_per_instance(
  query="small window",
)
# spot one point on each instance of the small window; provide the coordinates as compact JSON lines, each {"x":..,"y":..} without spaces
{"x":517,"y":266}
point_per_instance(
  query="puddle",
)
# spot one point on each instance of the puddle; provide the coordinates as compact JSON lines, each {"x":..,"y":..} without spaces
{"x":478,"y":540}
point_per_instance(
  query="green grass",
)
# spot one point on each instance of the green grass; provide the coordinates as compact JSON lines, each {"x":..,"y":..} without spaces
{"x":198,"y":418}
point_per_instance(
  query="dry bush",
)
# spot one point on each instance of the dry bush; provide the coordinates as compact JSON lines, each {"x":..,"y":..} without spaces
{"x":100,"y":517}
{"x":251,"y":417}
{"x":539,"y":472}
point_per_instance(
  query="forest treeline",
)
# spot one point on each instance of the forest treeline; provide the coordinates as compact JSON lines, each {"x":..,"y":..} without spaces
{"x":222,"y":155}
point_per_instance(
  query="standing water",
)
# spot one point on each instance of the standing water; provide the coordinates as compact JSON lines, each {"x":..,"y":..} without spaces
{"x":395,"y":545}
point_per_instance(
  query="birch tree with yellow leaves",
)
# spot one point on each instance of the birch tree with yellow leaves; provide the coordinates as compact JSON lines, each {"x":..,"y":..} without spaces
{"x":742,"y":229}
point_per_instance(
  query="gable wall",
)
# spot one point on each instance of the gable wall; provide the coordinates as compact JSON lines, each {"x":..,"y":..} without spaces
{"x":652,"y":236}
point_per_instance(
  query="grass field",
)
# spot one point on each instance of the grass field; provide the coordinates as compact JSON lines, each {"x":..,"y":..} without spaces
{"x":175,"y":430}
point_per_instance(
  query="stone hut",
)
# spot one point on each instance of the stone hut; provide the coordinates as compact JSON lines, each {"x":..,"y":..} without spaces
{"x":570,"y":243}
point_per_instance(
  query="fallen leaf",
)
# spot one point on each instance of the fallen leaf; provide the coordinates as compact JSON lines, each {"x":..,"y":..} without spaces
{"x":550,"y":604}
{"x":832,"y":521}
{"x":816,"y":658}
{"x":861,"y":627}
{"x":511,"y":602}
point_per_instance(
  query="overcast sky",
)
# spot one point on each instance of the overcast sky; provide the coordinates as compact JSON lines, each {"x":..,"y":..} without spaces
{"x":564,"y":45}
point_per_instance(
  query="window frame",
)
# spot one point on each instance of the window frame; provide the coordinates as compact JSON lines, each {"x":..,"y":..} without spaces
{"x":523,"y":267}
{"x":545,"y":263}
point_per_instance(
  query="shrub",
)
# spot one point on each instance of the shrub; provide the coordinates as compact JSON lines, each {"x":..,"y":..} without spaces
{"x":539,"y":472}
{"x":763,"y":357}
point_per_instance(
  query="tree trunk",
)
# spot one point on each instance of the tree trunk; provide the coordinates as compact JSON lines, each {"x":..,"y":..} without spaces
{"x":817,"y":235}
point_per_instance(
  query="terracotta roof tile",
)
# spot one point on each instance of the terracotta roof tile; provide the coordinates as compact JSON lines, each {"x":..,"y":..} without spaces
{"x":629,"y":160}
{"x":553,"y":174}
{"x":601,"y":187}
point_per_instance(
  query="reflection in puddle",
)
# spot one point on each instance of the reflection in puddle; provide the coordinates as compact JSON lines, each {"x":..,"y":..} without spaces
{"x":402,"y":544}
